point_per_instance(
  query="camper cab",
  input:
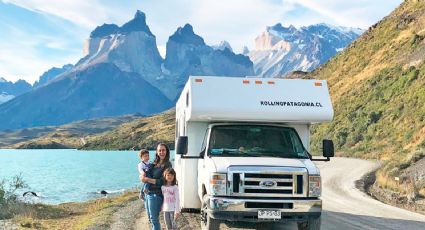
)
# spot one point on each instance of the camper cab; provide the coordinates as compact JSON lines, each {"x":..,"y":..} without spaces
{"x":243,"y":149}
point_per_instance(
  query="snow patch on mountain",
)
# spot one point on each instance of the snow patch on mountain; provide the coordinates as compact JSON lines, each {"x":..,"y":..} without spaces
{"x":280,"y":50}
{"x":222,"y":45}
{"x":5,"y":97}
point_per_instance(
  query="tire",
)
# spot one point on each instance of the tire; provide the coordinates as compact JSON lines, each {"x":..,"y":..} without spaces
{"x":208,"y":223}
{"x":312,"y":224}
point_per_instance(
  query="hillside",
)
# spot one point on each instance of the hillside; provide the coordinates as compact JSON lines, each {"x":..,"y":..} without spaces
{"x":144,"y":132}
{"x":64,"y":136}
{"x":377,"y":86}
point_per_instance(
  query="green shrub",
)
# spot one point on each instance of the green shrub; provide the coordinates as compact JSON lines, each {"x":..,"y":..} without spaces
{"x":10,"y":205}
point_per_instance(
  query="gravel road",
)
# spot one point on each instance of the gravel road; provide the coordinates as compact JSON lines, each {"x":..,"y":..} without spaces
{"x":344,"y":206}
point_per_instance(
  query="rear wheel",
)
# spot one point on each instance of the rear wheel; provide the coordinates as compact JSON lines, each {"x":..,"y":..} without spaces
{"x":312,"y":224}
{"x":208,"y":223}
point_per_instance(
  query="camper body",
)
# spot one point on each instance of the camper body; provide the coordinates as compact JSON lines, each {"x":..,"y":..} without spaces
{"x":242,"y":149}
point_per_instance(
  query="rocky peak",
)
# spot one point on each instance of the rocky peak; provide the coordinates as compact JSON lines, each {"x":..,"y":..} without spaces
{"x":245,"y":50}
{"x":138,"y":23}
{"x":51,"y":74}
{"x":222,"y":46}
{"x":104,"y":30}
{"x":279,"y":28}
{"x":326,"y":28}
{"x":17,"y":88}
{"x":186,"y":35}
{"x":279,"y":50}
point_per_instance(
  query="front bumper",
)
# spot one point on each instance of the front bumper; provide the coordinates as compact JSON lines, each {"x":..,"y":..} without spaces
{"x":242,"y":209}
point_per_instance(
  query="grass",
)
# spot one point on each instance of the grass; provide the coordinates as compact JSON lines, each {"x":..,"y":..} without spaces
{"x":73,"y":215}
{"x":140,"y":133}
{"x":377,"y":85}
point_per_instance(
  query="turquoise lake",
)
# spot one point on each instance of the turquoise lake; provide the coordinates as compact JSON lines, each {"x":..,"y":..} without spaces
{"x":59,"y":176}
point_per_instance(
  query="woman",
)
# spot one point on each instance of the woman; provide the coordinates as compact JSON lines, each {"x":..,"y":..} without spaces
{"x":154,"y":198}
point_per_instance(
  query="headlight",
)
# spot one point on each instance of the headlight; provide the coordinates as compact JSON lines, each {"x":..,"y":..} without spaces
{"x":218,"y":184}
{"x":314,"y":186}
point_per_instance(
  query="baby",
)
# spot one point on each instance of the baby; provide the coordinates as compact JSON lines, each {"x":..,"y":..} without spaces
{"x":144,"y":167}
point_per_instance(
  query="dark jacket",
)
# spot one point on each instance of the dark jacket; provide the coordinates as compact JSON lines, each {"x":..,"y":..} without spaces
{"x":156,"y":173}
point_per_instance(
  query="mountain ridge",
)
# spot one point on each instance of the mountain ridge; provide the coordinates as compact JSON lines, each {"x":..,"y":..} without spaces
{"x":280,"y":50}
{"x":131,"y":76}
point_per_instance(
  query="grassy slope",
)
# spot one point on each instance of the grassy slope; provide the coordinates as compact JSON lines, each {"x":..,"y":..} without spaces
{"x":141,"y":133}
{"x":378,"y":90}
{"x":95,"y":214}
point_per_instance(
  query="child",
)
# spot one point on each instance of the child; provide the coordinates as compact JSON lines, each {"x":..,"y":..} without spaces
{"x":144,"y":167}
{"x":171,"y":204}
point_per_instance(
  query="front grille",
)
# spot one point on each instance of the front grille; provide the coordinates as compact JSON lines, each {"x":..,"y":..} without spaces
{"x":274,"y":191}
{"x":274,"y":176}
{"x":269,"y":182}
{"x":269,"y":205}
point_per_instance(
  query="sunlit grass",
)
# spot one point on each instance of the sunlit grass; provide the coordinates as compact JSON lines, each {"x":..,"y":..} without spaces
{"x":73,"y":215}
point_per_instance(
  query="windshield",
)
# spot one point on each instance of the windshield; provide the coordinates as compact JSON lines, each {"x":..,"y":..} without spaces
{"x":255,"y":141}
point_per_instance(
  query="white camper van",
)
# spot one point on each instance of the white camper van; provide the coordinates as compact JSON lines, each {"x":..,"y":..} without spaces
{"x":243,"y":149}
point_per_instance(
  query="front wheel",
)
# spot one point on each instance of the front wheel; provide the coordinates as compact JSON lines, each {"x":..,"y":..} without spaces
{"x":208,"y":223}
{"x":312,"y":224}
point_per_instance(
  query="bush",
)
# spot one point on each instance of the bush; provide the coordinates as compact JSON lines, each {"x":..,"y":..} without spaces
{"x":9,"y":202}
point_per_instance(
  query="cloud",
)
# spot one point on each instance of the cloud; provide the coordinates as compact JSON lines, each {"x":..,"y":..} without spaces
{"x":238,"y":21}
{"x":23,"y":61}
{"x":56,"y":35}
{"x":33,"y":43}
{"x":76,"y":11}
{"x":360,"y":13}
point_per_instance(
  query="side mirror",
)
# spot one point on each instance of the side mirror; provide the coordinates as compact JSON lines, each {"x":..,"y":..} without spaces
{"x":328,"y":148}
{"x":181,"y":146}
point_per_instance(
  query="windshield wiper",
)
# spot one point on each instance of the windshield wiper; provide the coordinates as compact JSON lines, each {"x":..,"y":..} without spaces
{"x":276,"y":154}
{"x":283,"y":155}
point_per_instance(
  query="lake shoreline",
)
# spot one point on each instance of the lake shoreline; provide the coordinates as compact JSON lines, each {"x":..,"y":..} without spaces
{"x":69,"y":175}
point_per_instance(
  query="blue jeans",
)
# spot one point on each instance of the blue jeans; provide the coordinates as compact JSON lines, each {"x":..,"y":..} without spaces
{"x":146,"y":207}
{"x":153,"y":207}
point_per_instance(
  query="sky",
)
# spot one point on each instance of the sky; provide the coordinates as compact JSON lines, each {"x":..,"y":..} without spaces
{"x":36,"y":35}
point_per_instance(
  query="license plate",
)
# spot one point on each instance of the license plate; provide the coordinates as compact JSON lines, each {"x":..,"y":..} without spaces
{"x":269,"y":214}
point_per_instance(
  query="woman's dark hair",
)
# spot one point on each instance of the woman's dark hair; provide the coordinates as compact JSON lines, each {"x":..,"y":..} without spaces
{"x":172,"y":172}
{"x":167,"y":155}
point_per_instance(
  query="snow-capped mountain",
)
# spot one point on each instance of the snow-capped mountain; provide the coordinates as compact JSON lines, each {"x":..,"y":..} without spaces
{"x":132,"y":48}
{"x":9,"y":90}
{"x":223,"y":45}
{"x":121,"y":73}
{"x":280,"y":50}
